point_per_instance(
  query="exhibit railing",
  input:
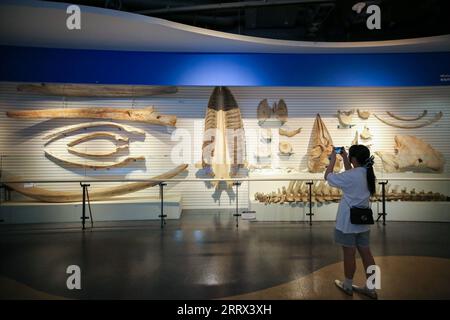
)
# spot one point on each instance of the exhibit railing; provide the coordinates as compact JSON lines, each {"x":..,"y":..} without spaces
{"x":426,"y":189}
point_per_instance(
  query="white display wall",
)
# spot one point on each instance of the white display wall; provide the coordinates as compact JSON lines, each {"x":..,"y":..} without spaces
{"x":21,"y":141}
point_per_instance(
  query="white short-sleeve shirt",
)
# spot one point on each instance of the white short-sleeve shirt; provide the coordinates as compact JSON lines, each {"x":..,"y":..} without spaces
{"x":356,"y":193}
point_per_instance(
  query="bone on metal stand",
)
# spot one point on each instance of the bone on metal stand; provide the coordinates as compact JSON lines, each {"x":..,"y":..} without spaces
{"x":237,"y":214}
{"x":161,"y":195}
{"x":86,"y":197}
{"x":383,"y":201}
{"x":310,"y":213}
{"x":2,"y":186}
{"x":6,"y":193}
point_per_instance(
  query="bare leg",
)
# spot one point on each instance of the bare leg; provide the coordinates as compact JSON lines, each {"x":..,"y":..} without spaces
{"x":367,"y":258}
{"x":349,"y":262}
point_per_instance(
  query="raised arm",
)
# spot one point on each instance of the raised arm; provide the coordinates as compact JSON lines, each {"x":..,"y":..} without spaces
{"x":331,"y":164}
{"x":345,"y":159}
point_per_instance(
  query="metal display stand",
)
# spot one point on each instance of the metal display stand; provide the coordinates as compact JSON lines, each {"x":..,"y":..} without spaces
{"x":86,"y":197}
{"x":6,"y":193}
{"x":383,"y":201}
{"x":2,"y":186}
{"x":237,"y":214}
{"x":161,"y":195}
{"x":310,"y":213}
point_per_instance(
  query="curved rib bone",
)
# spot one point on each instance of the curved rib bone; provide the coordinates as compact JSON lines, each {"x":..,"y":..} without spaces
{"x":436,"y":118}
{"x":94,"y":135}
{"x":94,"y":165}
{"x":55,"y":135}
{"x":146,"y":115}
{"x":82,"y":153}
{"x":45,"y":195}
{"x":420,"y":116}
{"x":98,"y":134}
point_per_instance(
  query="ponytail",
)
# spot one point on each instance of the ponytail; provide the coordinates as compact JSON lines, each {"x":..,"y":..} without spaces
{"x":362,"y":155}
{"x":371,"y":180}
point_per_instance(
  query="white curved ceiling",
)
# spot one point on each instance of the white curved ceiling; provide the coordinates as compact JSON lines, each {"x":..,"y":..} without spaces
{"x":43,"y":24}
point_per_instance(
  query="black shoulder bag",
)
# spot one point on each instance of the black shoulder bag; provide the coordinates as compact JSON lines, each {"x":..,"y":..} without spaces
{"x":360,"y":215}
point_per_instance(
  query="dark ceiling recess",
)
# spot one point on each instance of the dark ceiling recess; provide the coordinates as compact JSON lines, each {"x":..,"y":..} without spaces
{"x":302,"y":20}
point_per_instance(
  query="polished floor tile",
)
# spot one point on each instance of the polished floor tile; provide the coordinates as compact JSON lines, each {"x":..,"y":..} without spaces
{"x":200,"y":256}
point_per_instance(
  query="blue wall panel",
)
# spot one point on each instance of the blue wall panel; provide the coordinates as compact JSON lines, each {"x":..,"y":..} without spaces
{"x":202,"y":69}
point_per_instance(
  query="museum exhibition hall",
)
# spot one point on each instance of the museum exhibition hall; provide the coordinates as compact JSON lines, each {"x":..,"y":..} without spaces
{"x":184,"y":150}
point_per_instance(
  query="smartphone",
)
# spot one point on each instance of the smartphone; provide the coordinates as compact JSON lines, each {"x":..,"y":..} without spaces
{"x":338,"y":150}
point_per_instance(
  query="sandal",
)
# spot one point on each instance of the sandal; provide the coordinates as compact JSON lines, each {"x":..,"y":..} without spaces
{"x":372,"y":294}
{"x":340,"y":285}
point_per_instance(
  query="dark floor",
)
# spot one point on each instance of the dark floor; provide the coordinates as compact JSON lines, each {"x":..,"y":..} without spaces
{"x":198,"y":257}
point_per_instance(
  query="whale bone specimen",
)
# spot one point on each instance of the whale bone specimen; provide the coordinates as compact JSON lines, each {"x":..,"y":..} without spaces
{"x":323,"y":193}
{"x":146,"y":115}
{"x":299,"y":192}
{"x":436,"y":118}
{"x":346,"y":117}
{"x":80,"y":152}
{"x":320,"y":147}
{"x":365,"y":134}
{"x":355,"y":140}
{"x":223,"y":148}
{"x":280,"y":110}
{"x":264,"y":111}
{"x":95,"y":90}
{"x":363,"y":114}
{"x":283,"y":195}
{"x":412,"y":153}
{"x":420,"y":116}
{"x":95,"y":194}
{"x":93,"y":165}
{"x":98,"y":134}
{"x":69,"y":129}
{"x":285,"y":148}
{"x":289,"y":195}
{"x":94,"y":135}
{"x":289,"y":133}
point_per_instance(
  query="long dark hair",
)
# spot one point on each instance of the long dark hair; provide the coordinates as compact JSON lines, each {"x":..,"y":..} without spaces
{"x":362,"y":155}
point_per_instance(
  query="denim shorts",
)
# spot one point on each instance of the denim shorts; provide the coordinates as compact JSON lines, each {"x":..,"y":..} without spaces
{"x":361,"y":239}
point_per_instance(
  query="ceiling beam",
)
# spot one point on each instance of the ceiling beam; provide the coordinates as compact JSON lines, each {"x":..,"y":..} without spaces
{"x":229,"y":5}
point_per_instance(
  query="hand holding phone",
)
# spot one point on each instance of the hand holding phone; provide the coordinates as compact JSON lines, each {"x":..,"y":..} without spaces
{"x":338,"y":150}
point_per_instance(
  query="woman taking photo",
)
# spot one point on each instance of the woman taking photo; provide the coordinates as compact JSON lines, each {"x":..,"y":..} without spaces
{"x":358,"y":184}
